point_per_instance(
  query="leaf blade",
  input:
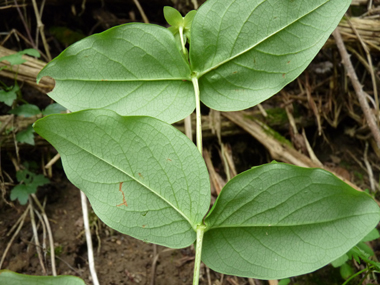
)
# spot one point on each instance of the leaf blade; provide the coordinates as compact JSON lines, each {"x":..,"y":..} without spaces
{"x":133,"y":69}
{"x":165,"y":185}
{"x":13,"y":278}
{"x":245,"y":60}
{"x":173,"y":16}
{"x":278,"y":220}
{"x":26,"y":110}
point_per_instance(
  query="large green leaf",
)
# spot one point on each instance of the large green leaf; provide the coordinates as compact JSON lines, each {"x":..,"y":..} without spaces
{"x":165,"y":191}
{"x":246,"y":51}
{"x":278,"y":220}
{"x":133,"y":69}
{"x":11,"y":278}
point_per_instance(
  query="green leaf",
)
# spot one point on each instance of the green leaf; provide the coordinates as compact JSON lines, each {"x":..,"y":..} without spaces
{"x":165,"y":185}
{"x":24,"y":175}
{"x":30,"y":181}
{"x":13,"y":59}
{"x":346,"y":271}
{"x":26,"y":136}
{"x":11,"y":278}
{"x":173,"y":17}
{"x":284,"y":281}
{"x":26,"y":110}
{"x":246,"y":51}
{"x":16,"y":58}
{"x":54,"y":108}
{"x":31,"y":52}
{"x":31,"y":178}
{"x":340,"y":261}
{"x":21,"y":192}
{"x":188,"y":20}
{"x":279,"y":220}
{"x":133,"y":69}
{"x":356,"y":253}
{"x":364,"y":247}
{"x":8,"y":96}
{"x":374,"y":234}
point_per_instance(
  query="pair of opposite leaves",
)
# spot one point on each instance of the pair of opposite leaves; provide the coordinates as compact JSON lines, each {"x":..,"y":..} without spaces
{"x":241,"y":53}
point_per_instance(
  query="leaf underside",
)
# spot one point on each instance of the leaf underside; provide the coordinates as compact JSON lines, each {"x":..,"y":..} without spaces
{"x":279,"y":220}
{"x":165,"y":191}
{"x":246,"y":51}
{"x":11,"y":278}
{"x":132,"y":69}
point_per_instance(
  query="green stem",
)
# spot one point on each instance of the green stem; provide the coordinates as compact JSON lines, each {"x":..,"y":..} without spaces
{"x":198,"y":114}
{"x":356,"y":274}
{"x":182,"y":41}
{"x":198,"y":253}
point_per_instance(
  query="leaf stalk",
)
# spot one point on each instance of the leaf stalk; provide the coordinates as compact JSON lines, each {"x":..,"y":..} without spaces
{"x":198,"y":113}
{"x":184,"y":50}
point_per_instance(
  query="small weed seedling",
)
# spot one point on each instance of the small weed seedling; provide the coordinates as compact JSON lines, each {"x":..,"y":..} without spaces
{"x":146,"y":179}
{"x":28,"y":184}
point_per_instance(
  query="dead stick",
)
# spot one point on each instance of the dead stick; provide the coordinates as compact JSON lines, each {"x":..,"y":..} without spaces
{"x":90,"y":251}
{"x":14,"y":236}
{"x":358,"y":88}
{"x":51,"y":241}
{"x":25,"y":25}
{"x":40,"y":27}
{"x":35,"y":234}
{"x":141,"y":10}
{"x":369,"y":58}
{"x":154,"y":264}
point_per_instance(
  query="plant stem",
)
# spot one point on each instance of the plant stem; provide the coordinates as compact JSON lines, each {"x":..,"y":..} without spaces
{"x":198,"y":253}
{"x":182,"y":40}
{"x":356,"y":274}
{"x":184,"y":49}
{"x":198,"y":114}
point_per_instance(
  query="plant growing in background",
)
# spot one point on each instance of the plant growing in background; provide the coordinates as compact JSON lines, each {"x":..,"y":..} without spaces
{"x":146,"y":179}
{"x":8,"y":94}
{"x":11,"y":95}
{"x":359,"y":252}
{"x":28,"y":184}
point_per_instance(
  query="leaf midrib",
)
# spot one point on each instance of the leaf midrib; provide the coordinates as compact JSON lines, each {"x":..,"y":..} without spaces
{"x":267,"y":225}
{"x":199,"y":75}
{"x":138,"y":181}
{"x":124,"y":80}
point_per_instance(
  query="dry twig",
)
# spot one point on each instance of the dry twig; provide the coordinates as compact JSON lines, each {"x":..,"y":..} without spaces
{"x":90,"y":250}
{"x":154,"y":265}
{"x":35,"y":235}
{"x":22,"y":219}
{"x":51,"y":241}
{"x":358,"y":88}
{"x":40,"y":28}
{"x":369,"y":58}
{"x":144,"y":17}
{"x":188,"y":127}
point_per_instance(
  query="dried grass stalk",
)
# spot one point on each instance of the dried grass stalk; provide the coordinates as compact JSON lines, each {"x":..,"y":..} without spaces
{"x":368,"y":29}
{"x":359,"y":2}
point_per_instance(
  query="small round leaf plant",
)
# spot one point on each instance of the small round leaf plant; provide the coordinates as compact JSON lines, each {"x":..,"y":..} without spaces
{"x":146,"y":179}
